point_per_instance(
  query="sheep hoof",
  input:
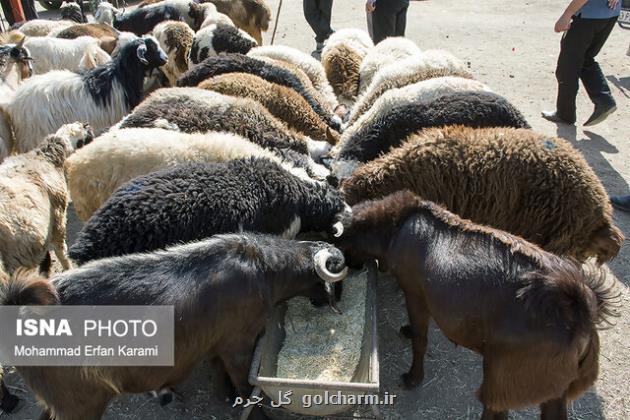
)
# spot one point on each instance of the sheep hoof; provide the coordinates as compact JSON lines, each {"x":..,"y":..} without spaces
{"x":407,"y":332}
{"x":408,"y":382}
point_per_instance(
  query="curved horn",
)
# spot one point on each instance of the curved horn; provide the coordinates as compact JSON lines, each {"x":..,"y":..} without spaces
{"x":140,"y":52}
{"x":338,"y":229}
{"x":320,"y":259}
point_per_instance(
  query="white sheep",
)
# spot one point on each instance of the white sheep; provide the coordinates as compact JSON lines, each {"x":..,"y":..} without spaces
{"x":33,"y":200}
{"x":385,"y":52}
{"x":341,"y":58}
{"x":416,"y":68}
{"x":310,"y":66}
{"x":176,"y":39}
{"x":420,"y":92}
{"x":64,"y":54}
{"x":101,"y":96}
{"x":96,"y":171}
{"x":42,"y":27}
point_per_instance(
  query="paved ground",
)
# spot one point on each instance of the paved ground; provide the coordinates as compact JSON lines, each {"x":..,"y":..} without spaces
{"x":512,"y":47}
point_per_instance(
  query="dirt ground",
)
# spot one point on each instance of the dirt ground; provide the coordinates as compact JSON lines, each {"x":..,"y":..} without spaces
{"x":511,"y":46}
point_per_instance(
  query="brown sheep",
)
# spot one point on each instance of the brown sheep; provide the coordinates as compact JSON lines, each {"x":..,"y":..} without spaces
{"x":107,"y":34}
{"x":284,"y":103}
{"x":176,"y":39}
{"x":516,"y":180}
{"x":531,"y":315}
{"x":252,"y":16}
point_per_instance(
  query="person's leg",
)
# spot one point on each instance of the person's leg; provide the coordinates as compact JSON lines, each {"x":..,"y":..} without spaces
{"x":573,"y":47}
{"x":401,"y":20}
{"x":8,"y":13}
{"x":593,"y":78}
{"x":318,"y":14}
{"x":29,"y":9}
{"x":383,"y":23}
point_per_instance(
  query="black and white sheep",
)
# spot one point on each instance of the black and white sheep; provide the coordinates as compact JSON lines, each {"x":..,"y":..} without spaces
{"x":140,"y":21}
{"x":471,"y":109}
{"x":171,"y":108}
{"x":219,"y":38}
{"x":96,"y":171}
{"x":100,"y":97}
{"x":33,"y":200}
{"x":233,"y":63}
{"x":192,"y":202}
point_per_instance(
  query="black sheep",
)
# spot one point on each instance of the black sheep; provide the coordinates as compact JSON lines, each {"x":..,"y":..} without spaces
{"x":232,"y":63}
{"x":472,"y":109}
{"x":142,"y":20}
{"x":192,"y":202}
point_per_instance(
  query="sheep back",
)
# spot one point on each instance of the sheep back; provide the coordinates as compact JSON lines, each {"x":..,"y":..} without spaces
{"x":528,"y":184}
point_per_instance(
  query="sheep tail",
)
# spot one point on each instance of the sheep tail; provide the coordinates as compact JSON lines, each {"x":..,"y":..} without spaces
{"x":568,"y":295}
{"x":27,"y":288}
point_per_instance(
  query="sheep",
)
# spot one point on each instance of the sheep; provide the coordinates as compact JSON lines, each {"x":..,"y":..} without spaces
{"x":282,"y":102}
{"x":252,"y":16}
{"x":304,"y":62}
{"x":194,"y":201}
{"x":216,"y":18}
{"x":63,"y":54}
{"x":34,"y":198}
{"x":72,"y":11}
{"x":420,"y":92}
{"x":42,"y":27}
{"x":140,"y":21}
{"x":531,"y":315}
{"x":176,"y":38}
{"x":199,"y":280}
{"x":472,"y":109}
{"x":231,"y":63}
{"x":171,"y":109}
{"x":105,"y":33}
{"x":219,"y":38}
{"x":96,"y":171}
{"x":528,"y":184}
{"x":341,"y":58}
{"x":430,"y":64}
{"x":101,"y":96}
{"x":389,"y":50}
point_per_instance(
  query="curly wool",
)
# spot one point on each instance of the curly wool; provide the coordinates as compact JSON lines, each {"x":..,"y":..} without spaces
{"x":388,"y":51}
{"x":516,"y":180}
{"x":192,"y":202}
{"x":170,"y":108}
{"x":283,"y":103}
{"x":471,"y":109}
{"x":428,"y":65}
{"x":231,"y":63}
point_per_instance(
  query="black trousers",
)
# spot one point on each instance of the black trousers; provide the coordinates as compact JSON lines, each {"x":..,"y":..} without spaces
{"x":27,"y":5}
{"x":318,"y":14}
{"x":389,"y":19}
{"x":578,"y":49}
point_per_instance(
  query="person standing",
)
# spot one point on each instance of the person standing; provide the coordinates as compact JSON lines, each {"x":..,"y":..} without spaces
{"x":28,"y":7}
{"x":318,"y":14}
{"x":586,"y":25}
{"x":389,"y":18}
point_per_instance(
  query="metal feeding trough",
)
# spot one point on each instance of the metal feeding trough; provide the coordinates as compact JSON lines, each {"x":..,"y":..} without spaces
{"x":364,"y":381}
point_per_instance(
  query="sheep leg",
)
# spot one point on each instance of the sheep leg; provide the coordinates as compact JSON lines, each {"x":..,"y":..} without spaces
{"x":419,"y":325}
{"x":554,"y":410}
{"x":220,"y":380}
{"x":237,"y":364}
{"x":59,"y":238}
{"x":489,"y":414}
{"x":45,"y":265}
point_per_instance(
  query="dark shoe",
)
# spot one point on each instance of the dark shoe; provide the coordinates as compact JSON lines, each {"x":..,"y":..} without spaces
{"x":600,"y":114}
{"x":554,"y":118}
{"x":622,"y":202}
{"x":317,"y":54}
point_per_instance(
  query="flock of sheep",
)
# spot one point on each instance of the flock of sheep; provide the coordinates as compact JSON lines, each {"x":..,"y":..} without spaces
{"x":170,"y":123}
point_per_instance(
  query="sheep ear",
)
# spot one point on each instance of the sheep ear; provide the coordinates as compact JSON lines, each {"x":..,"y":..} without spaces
{"x":140,"y":52}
